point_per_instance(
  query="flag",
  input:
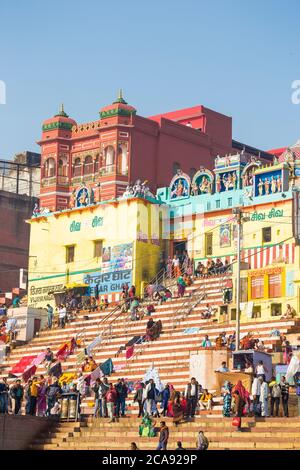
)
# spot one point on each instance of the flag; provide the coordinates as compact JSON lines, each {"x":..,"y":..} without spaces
{"x":56,"y":370}
{"x":94,"y":343}
{"x":107,"y":367}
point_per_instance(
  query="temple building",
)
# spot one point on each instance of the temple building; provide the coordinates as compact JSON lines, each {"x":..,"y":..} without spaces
{"x":105,"y":155}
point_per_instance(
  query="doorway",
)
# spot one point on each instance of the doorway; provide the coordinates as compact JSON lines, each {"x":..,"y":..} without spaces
{"x":178,"y":247}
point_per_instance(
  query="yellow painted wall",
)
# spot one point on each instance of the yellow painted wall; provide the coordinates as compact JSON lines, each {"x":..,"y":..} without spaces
{"x":121,"y":224}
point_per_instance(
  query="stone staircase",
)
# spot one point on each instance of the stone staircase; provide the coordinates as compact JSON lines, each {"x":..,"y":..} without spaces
{"x":170,"y":354}
{"x":98,"y":434}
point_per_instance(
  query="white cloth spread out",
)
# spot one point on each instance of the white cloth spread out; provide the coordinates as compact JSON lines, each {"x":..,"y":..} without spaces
{"x":293,"y":368}
{"x":94,"y":343}
{"x":152,"y":373}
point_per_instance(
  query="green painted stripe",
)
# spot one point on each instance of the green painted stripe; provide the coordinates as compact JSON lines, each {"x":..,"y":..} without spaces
{"x":71,"y":273}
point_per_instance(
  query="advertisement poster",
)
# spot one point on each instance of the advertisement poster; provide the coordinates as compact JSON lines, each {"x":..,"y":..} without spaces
{"x":116,"y":258}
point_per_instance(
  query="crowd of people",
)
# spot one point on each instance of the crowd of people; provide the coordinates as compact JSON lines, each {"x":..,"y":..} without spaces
{"x":41,"y":396}
{"x":263,"y":399}
{"x":212,"y":268}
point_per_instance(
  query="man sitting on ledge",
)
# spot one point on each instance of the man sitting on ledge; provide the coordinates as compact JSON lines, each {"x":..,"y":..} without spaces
{"x":289,"y":314}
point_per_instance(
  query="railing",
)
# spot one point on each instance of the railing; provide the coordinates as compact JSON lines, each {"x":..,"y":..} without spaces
{"x":49,"y":181}
{"x":196,"y":296}
{"x":63,"y":180}
{"x":112,"y":169}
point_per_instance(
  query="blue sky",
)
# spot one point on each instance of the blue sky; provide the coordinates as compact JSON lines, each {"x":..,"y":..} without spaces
{"x":237,"y":57}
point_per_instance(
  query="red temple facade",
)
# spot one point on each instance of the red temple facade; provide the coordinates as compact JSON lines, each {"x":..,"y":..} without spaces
{"x":121,"y":147}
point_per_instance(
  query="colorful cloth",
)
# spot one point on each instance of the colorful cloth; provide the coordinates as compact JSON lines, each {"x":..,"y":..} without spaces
{"x":129,"y":352}
{"x":96,"y":374}
{"x":56,"y":370}
{"x":80,"y":357}
{"x":42,"y":400}
{"x":28,"y":373}
{"x":22,"y":365}
{"x":107,"y":367}
{"x":39,"y":359}
{"x":63,"y":352}
{"x":67,"y":377}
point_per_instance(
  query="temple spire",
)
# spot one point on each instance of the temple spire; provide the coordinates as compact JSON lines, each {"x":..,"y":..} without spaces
{"x":120,"y":98}
{"x":62,"y":111}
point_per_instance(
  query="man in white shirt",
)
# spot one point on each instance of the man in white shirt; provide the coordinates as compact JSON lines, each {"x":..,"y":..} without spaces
{"x":176,"y":266}
{"x":263,"y":397}
{"x":62,"y":314}
{"x":255,"y":392}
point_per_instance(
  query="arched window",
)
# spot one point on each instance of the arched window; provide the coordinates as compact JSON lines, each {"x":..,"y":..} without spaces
{"x":97,"y":164}
{"x":109,"y":153}
{"x":122,"y":160}
{"x":176,"y":167}
{"x":77,"y":167}
{"x":49,"y":168}
{"x":88,"y":165}
{"x":62,"y":167}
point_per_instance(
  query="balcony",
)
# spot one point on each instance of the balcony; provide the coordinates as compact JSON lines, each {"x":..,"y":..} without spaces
{"x":49,"y":181}
{"x":63,"y":180}
{"x":112,"y":170}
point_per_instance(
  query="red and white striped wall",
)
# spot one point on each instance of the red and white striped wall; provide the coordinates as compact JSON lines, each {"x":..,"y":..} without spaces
{"x":263,"y":257}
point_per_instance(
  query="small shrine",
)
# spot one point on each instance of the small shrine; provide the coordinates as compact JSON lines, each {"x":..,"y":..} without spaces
{"x":202,"y":182}
{"x":271,"y":179}
{"x":82,"y":196}
{"x":228,"y":171}
{"x":180,"y":186}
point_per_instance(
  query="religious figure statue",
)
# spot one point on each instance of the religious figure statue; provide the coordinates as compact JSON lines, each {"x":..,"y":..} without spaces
{"x":245,"y":180}
{"x":195,"y":189}
{"x":267,"y":186}
{"x":234,"y":180}
{"x":260,"y":187}
{"x":273,"y":185}
{"x":72,"y":201}
{"x":279,"y":184}
{"x":218,"y":184}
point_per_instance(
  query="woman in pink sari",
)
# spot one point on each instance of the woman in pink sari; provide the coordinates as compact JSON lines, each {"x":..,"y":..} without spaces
{"x":41,"y":398}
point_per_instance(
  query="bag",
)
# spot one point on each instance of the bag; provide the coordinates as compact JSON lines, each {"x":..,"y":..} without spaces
{"x":236,"y":421}
{"x":205,"y":444}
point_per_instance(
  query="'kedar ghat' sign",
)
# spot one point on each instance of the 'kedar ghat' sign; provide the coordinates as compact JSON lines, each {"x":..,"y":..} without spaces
{"x":94,"y":222}
{"x":108,"y":282}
